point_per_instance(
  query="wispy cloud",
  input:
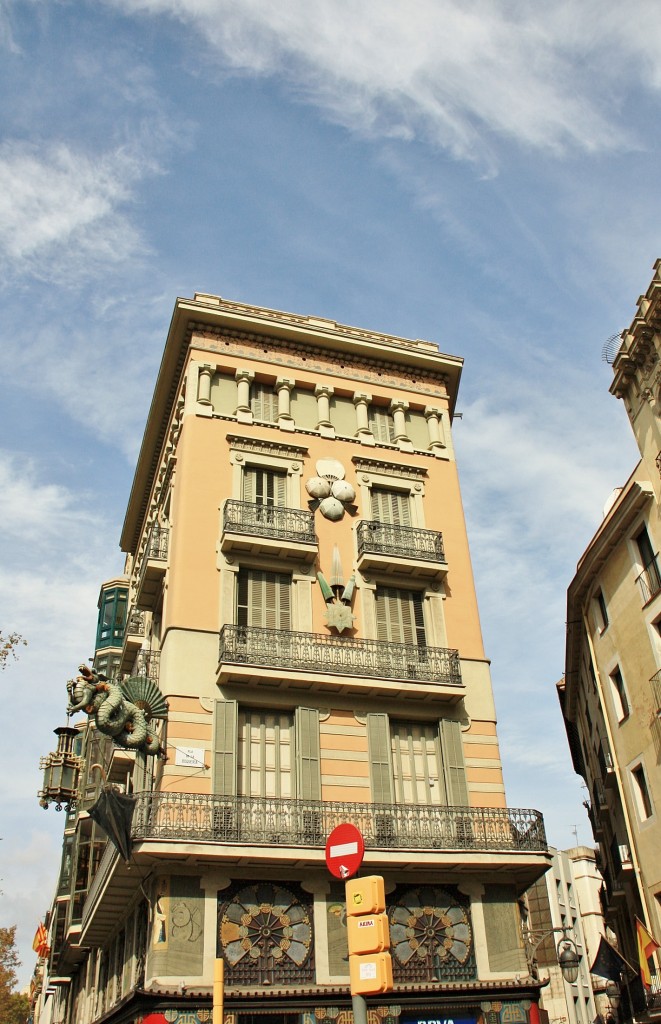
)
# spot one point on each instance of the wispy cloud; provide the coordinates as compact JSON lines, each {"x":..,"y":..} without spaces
{"x":62,"y":212}
{"x":460,"y":77}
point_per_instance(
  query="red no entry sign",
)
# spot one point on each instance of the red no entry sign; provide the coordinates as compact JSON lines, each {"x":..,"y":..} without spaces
{"x":345,"y":848}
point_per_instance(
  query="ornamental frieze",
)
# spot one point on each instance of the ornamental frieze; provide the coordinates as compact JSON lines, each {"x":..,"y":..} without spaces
{"x":302,"y":357}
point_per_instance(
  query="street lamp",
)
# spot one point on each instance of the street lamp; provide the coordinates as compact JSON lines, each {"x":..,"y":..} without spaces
{"x":568,"y":957}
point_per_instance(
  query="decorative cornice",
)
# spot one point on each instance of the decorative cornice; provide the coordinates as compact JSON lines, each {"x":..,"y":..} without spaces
{"x":260,"y":446}
{"x":295,"y":355}
{"x":364,"y":465}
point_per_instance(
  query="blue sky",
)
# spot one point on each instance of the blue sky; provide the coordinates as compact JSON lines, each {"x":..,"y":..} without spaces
{"x":483,"y":175}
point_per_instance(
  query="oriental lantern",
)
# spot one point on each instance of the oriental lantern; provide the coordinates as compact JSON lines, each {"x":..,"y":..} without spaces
{"x":61,"y":771}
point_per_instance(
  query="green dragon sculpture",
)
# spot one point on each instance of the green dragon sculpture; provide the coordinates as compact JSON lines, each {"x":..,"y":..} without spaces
{"x":113,"y":710}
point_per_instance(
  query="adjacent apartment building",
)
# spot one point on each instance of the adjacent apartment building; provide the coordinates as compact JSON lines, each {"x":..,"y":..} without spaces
{"x":298,"y":607}
{"x":611,"y":692}
{"x":565,"y":903}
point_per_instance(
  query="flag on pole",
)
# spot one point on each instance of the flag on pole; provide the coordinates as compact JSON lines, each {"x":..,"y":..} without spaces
{"x":40,"y":941}
{"x":608,"y":963}
{"x":646,"y":946}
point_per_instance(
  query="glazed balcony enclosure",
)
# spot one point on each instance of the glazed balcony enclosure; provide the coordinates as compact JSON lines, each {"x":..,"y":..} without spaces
{"x":392,"y":549}
{"x":282,"y":656}
{"x":255,"y":529}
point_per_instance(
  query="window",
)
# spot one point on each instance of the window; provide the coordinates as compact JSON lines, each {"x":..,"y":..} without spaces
{"x":254,"y":752}
{"x":264,"y":760}
{"x":381,"y":424}
{"x":112,"y":617}
{"x":392,"y":507}
{"x":641,"y":793}
{"x":264,"y":486}
{"x":650,"y":578}
{"x":416,"y":762}
{"x":399,"y":616}
{"x":263,"y":599}
{"x":603,"y":611}
{"x":264,"y":402}
{"x":620,"y":701}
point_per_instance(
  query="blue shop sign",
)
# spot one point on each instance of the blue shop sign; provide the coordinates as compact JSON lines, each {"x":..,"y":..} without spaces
{"x":414,"y":1018}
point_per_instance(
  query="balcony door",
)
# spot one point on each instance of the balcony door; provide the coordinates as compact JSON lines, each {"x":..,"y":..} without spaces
{"x":263,"y":599}
{"x":265,"y":761}
{"x":416,"y":763}
{"x":264,"y":486}
{"x":400,"y":616}
{"x":391,"y":507}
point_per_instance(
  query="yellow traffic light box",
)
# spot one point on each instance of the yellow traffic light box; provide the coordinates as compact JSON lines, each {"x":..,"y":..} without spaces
{"x":365,"y":895}
{"x":370,"y":974}
{"x":368,"y":934}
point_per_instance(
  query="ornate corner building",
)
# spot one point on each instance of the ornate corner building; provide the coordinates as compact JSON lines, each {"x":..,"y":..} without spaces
{"x":298,"y":590}
{"x":611,"y":692}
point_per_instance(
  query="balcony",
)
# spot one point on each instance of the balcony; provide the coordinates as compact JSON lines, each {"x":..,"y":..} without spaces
{"x":152,"y":568}
{"x":133,"y":636}
{"x":650,"y":580}
{"x":284,"y":655}
{"x":195,"y":817}
{"x":249,"y":528}
{"x":147,"y":663}
{"x":400,"y":550}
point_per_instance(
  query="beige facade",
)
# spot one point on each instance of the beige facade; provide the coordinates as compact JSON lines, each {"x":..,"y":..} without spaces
{"x":611,"y":694}
{"x":322,"y":661}
{"x":566,"y":903}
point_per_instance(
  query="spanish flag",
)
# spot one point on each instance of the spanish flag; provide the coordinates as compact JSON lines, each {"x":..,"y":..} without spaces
{"x":646,"y":946}
{"x":40,"y":941}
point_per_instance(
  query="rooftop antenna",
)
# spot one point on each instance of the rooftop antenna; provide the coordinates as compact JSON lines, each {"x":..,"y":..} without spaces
{"x":610,"y":347}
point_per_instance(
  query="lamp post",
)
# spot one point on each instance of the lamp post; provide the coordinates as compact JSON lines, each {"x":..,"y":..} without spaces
{"x":568,"y":957}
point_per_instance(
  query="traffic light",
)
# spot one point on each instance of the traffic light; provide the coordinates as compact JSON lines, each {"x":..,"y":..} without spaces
{"x":365,"y":895}
{"x":368,"y":933}
{"x":371,"y":974}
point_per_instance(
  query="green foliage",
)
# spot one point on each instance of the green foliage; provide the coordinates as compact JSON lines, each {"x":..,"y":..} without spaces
{"x":8,"y":645}
{"x":14,"y":1008}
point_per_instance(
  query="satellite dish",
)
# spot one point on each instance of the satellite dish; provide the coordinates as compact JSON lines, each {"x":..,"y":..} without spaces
{"x":610,"y":347}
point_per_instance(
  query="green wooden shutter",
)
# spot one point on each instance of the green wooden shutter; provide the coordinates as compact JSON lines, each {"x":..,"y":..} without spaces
{"x":264,"y":402}
{"x":399,"y":616}
{"x":308,"y":755}
{"x":224,"y":747}
{"x":393,"y":507}
{"x":382,"y":425}
{"x":378,"y":739}
{"x":263,"y":599}
{"x":264,"y":486}
{"x":454,"y":769}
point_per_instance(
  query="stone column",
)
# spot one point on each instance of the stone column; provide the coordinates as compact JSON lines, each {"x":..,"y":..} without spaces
{"x":323,"y":395}
{"x":434,"y":415}
{"x":363,"y":432}
{"x":244,"y":379}
{"x":204,"y":384}
{"x":283,"y":388}
{"x":398,"y":409}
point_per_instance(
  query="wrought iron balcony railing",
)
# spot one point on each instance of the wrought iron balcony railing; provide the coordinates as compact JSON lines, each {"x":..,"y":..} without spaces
{"x":135,"y":623}
{"x":147,"y":663}
{"x":263,"y":820}
{"x":157,"y":543}
{"x":316,"y":652}
{"x":246,"y":517}
{"x":650,"y":580}
{"x":401,"y":541}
